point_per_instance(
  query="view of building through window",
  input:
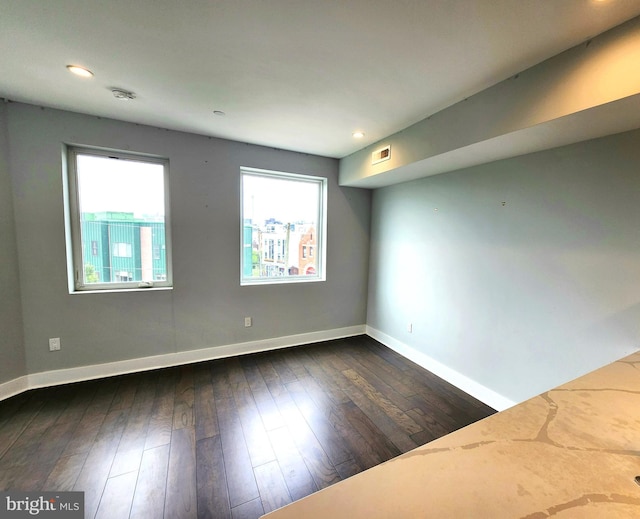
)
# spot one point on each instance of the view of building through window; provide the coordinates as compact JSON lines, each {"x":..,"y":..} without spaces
{"x":118,"y":247}
{"x":119,"y":209}
{"x":282,"y":218}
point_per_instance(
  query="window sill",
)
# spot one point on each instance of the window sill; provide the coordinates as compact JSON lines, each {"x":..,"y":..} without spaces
{"x":281,"y":281}
{"x":121,"y":290}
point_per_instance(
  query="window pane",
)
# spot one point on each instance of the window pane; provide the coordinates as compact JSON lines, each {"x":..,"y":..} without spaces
{"x":282,"y":220}
{"x":121,"y":214}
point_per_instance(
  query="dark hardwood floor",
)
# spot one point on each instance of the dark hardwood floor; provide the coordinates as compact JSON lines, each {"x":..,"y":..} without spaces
{"x":231,"y":438}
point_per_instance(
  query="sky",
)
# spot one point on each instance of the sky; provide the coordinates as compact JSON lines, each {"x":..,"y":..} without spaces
{"x":118,"y":185}
{"x":285,"y":200}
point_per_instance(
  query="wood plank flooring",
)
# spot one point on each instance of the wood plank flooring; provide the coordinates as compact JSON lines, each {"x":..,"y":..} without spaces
{"x":232,"y":438}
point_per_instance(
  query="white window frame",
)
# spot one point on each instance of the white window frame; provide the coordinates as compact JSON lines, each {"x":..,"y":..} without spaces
{"x":75,"y":264}
{"x":321,"y":230}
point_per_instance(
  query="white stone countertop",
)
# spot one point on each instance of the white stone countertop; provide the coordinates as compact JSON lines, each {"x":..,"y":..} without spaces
{"x":572,"y":452}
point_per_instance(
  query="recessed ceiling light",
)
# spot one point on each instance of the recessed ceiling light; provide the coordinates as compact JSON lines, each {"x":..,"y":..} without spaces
{"x":79,"y":71}
{"x":358,"y":135}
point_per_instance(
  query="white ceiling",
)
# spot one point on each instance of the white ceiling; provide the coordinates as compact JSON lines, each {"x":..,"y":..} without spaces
{"x":300,"y":75}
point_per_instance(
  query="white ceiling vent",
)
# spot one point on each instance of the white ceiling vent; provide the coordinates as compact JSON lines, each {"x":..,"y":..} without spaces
{"x":381,"y":155}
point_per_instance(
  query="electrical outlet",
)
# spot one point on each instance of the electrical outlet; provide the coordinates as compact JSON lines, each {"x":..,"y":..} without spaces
{"x":54,"y":344}
{"x":410,"y":327}
{"x":247,"y":322}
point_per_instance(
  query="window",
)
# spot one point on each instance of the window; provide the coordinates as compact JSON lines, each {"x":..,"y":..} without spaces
{"x":124,"y":276}
{"x":117,"y":220}
{"x":122,"y":250}
{"x":283,"y":216}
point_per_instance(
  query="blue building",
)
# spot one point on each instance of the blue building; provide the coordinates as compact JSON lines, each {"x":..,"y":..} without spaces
{"x":117,"y":247}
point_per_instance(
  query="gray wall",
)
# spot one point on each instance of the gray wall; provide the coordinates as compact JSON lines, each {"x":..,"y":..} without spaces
{"x":522,"y":296}
{"x":11,"y":342}
{"x":208,"y":305}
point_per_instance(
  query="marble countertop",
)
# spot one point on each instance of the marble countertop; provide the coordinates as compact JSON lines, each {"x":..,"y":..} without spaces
{"x":572,"y":452}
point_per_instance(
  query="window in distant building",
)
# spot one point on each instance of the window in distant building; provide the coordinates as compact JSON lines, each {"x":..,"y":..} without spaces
{"x":283,"y":216}
{"x":118,"y":214}
{"x":124,"y":276}
{"x":121,"y":250}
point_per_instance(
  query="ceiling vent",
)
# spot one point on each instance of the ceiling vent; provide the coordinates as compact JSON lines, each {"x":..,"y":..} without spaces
{"x":381,"y":155}
{"x":123,"y":95}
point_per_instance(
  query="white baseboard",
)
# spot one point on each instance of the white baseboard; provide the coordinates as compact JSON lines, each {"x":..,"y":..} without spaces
{"x":70,"y":375}
{"x":109,"y":369}
{"x":13,"y":387}
{"x":476,"y":390}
